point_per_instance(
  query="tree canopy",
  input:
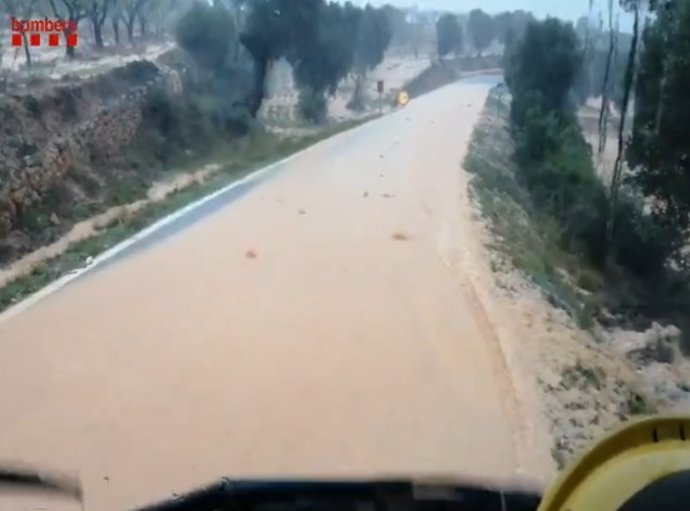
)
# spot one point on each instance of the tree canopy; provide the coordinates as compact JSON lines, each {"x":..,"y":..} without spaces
{"x":482,"y":28}
{"x":542,"y":70}
{"x":322,"y":40}
{"x":374,"y":34}
{"x":511,"y":25}
{"x":207,"y":32}
{"x":448,"y":35}
{"x":660,"y":144}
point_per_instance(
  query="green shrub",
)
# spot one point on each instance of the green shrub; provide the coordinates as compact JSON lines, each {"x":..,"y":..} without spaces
{"x":641,"y":244}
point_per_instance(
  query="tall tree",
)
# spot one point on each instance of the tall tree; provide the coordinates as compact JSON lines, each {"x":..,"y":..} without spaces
{"x":116,"y":16}
{"x":70,"y":10}
{"x":400,"y":27}
{"x":323,"y":54}
{"x":373,"y":35}
{"x":131,"y":11}
{"x":605,"y":107}
{"x":482,"y":29}
{"x":317,"y":38}
{"x":151,"y":15}
{"x":616,"y":179}
{"x":511,"y":25}
{"x":22,"y":9}
{"x":550,"y":152}
{"x":542,"y":70}
{"x":448,"y":35}
{"x":207,"y":33}
{"x":98,"y":10}
{"x":266,"y":37}
{"x":238,"y":10}
{"x":659,"y":148}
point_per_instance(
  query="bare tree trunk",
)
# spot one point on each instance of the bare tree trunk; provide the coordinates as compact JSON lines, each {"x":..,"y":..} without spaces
{"x":259,"y":89}
{"x":358,"y":99}
{"x":586,"y":51}
{"x":590,"y":4}
{"x":116,"y":30}
{"x":662,"y":91}
{"x":27,"y":52}
{"x":130,"y":30}
{"x":142,"y":25}
{"x":97,"y":19}
{"x":72,"y":17}
{"x":97,"y":33}
{"x":618,"y":167}
{"x":605,"y":107}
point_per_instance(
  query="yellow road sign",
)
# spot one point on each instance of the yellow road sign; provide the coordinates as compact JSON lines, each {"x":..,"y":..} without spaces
{"x":403,"y":98}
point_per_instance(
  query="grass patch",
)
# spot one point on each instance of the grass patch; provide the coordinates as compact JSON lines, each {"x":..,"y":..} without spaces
{"x":636,"y":404}
{"x":583,"y":377}
{"x":259,"y":149}
{"x":525,"y":238}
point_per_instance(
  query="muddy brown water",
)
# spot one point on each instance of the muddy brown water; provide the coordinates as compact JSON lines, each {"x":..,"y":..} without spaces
{"x":312,"y":328}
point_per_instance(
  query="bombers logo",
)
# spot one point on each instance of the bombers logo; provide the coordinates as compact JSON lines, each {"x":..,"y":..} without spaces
{"x":47,"y":30}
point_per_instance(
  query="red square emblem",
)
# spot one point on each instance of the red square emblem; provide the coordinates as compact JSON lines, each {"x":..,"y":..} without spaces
{"x":16,"y":39}
{"x":53,"y":39}
{"x":35,"y":39}
{"x":71,"y":40}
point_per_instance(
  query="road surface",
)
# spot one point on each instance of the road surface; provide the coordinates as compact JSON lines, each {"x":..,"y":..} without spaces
{"x":314,"y":326}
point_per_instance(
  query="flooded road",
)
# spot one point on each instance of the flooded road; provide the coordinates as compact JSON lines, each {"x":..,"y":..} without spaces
{"x":317,"y":325}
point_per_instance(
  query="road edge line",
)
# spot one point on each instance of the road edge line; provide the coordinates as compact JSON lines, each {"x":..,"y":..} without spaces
{"x":100,"y":259}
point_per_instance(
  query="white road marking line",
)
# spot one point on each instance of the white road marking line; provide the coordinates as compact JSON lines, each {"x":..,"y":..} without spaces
{"x":148,"y":231}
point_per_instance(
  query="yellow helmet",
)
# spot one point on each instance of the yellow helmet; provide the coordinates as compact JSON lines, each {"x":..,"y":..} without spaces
{"x":643,"y":466}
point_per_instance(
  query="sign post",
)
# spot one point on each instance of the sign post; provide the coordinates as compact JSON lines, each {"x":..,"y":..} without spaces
{"x":379,"y":88}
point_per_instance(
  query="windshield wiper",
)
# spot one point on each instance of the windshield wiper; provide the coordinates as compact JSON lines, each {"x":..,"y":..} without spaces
{"x":35,"y":481}
{"x":228,"y":495}
{"x":242,"y":495}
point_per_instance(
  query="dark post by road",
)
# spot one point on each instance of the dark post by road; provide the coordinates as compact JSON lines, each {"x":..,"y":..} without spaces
{"x":379,"y":88}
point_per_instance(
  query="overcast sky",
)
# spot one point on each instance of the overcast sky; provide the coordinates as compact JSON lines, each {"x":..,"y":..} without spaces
{"x":565,"y":9}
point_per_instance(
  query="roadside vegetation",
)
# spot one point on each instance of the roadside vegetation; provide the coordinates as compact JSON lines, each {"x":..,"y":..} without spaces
{"x":528,"y":238}
{"x":608,"y":248}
